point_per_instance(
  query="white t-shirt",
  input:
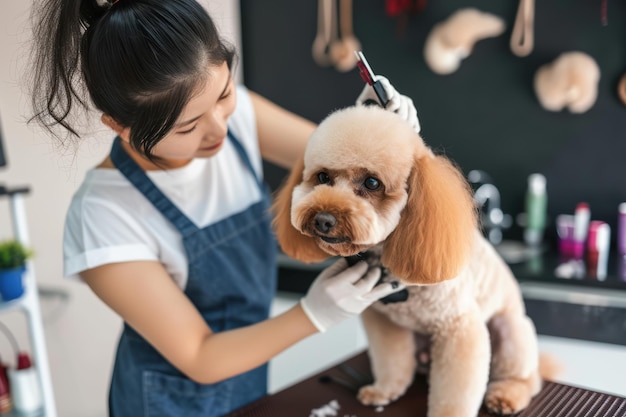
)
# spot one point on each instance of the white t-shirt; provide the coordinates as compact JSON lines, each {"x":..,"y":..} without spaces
{"x":109,"y":220}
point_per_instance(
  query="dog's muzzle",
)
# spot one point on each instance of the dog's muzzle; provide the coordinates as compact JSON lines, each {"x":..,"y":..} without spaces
{"x":324,"y":224}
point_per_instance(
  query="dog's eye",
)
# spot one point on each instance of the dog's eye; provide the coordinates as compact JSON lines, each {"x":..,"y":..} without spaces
{"x":371,"y":183}
{"x":323,"y":178}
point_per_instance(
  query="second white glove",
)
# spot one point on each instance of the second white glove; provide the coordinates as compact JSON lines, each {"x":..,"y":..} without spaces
{"x":339,"y":293}
{"x":398,"y":103}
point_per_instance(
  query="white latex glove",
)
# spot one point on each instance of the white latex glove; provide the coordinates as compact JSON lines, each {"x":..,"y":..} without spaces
{"x":398,"y":103}
{"x":339,"y":293}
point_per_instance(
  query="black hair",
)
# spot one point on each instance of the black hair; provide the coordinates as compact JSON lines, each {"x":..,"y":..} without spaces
{"x":139,"y":60}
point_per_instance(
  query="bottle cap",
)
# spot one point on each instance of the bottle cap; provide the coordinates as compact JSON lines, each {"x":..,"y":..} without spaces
{"x":582,"y":206}
{"x":537,"y":183}
{"x":23,"y":361}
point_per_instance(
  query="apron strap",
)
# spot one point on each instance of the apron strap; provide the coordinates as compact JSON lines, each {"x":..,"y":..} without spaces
{"x":137,"y":176}
{"x":144,"y":184}
{"x":246,"y":160}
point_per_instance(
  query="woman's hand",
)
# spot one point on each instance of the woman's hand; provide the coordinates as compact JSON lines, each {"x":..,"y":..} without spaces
{"x":341,"y":292}
{"x":398,"y":103}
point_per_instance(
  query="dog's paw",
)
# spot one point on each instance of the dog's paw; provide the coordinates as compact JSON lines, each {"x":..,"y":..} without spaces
{"x":508,"y":396}
{"x":378,"y":395}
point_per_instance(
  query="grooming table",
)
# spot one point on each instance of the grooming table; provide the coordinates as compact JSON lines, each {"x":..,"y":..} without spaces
{"x":322,"y":396}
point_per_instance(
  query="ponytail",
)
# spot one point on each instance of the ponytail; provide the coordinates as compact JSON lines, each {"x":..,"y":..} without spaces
{"x":56,"y":82}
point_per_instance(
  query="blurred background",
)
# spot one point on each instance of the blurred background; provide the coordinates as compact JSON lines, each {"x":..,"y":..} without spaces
{"x":485,"y":116}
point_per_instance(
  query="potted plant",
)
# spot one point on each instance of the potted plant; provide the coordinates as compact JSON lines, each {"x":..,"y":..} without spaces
{"x":13,"y":257}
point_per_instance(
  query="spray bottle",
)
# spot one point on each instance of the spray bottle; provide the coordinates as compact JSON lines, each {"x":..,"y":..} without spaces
{"x":536,"y":210}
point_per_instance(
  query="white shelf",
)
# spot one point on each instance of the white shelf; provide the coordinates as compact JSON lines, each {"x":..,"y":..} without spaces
{"x":29,"y":305}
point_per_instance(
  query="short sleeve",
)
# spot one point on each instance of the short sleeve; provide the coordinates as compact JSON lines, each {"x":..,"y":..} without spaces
{"x":98,"y":232}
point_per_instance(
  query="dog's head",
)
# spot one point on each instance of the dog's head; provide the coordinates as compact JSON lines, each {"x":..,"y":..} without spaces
{"x":367,"y":178}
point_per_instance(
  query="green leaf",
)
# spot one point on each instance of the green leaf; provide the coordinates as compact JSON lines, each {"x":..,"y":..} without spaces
{"x":13,"y":254}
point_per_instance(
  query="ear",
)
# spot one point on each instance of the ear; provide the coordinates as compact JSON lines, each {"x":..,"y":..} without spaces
{"x":433,"y":240}
{"x":122,"y":132}
{"x":292,"y":242}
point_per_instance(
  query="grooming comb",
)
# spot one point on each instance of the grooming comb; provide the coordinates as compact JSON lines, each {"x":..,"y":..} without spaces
{"x":370,"y":78}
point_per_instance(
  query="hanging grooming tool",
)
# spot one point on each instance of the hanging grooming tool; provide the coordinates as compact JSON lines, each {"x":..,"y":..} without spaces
{"x":326,"y":32}
{"x":621,"y":89}
{"x":341,"y":50}
{"x":522,"y":36}
{"x":370,"y":78}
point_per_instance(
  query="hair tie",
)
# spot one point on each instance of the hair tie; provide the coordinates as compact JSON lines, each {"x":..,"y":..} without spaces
{"x":105,"y":3}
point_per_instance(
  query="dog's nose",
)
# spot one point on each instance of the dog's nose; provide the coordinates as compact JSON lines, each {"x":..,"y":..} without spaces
{"x":324,"y":222}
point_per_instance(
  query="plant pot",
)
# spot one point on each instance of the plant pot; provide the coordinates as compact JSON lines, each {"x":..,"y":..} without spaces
{"x":11,"y":283}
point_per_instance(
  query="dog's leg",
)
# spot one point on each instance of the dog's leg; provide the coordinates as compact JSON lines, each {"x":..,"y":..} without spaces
{"x":392,"y":356}
{"x":459,"y":370}
{"x":514,"y":376}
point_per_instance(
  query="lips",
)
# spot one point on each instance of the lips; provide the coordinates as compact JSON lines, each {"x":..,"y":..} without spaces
{"x":339,"y":246}
{"x":333,"y":240}
{"x":213,"y":147}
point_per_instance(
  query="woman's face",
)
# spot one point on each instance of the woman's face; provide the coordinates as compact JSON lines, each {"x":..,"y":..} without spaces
{"x":201,"y":129}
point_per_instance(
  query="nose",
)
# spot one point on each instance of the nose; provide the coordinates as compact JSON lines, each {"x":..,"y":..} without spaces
{"x":217,"y":126}
{"x":219,"y":130}
{"x":324,"y":222}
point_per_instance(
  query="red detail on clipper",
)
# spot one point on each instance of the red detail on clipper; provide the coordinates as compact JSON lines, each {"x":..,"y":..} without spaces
{"x":364,"y":73}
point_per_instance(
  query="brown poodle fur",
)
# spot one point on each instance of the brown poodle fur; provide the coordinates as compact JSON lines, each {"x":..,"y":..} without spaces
{"x":369,"y":183}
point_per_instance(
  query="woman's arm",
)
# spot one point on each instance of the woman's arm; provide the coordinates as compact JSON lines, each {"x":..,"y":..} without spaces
{"x":147,"y":298}
{"x":282,"y":134}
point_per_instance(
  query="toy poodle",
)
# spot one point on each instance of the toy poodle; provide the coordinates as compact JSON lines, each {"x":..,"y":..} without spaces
{"x":369,"y":185}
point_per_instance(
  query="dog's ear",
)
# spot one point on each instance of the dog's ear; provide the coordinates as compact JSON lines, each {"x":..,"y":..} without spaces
{"x":434,"y":238}
{"x":292,"y":242}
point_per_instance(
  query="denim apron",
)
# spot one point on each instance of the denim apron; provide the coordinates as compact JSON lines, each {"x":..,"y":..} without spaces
{"x":231,"y":281}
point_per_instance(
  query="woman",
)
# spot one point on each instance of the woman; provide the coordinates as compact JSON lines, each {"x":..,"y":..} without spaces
{"x":171,"y":230}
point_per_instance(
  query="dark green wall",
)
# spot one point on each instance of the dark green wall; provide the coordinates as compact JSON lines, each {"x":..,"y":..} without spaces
{"x":484,"y":116}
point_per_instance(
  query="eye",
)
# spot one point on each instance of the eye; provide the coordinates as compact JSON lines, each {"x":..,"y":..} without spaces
{"x":225,"y":95}
{"x":188,"y":130}
{"x":323,"y":178}
{"x":371,"y":183}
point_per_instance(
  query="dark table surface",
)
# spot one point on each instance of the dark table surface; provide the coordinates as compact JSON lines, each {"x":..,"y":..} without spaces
{"x":319,"y":391}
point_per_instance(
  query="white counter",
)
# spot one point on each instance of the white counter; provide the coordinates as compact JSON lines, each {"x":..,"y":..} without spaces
{"x":596,"y":366}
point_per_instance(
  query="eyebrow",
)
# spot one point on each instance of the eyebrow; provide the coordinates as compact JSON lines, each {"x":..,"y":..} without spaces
{"x":186,"y":122}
